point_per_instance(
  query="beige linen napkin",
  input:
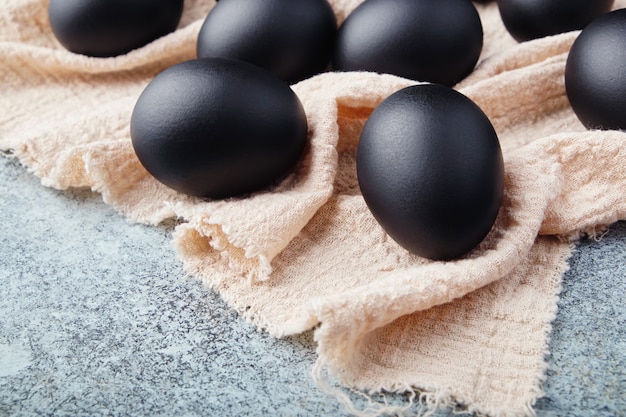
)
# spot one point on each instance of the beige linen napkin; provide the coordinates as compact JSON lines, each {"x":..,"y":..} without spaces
{"x":471,"y":333}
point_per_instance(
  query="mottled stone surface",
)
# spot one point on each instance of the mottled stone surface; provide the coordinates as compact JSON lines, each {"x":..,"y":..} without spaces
{"x":97,"y":318}
{"x":587,"y":374}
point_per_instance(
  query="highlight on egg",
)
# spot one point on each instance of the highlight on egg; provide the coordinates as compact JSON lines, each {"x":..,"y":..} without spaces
{"x":532,"y":19}
{"x":434,"y":41}
{"x":218,"y":128}
{"x":293,"y":39}
{"x":430,"y":169}
{"x":107,"y":28}
{"x":595,"y":73}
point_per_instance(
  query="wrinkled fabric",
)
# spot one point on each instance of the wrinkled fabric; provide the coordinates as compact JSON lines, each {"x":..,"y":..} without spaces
{"x":307,"y":253}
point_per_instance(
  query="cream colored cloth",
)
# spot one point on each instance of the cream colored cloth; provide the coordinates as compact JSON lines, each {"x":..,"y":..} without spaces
{"x":308,"y":253}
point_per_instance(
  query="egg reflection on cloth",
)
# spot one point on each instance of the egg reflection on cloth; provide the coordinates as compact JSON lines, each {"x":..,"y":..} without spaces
{"x":430,"y":168}
{"x":435,"y":41}
{"x":532,"y":19}
{"x":595,"y":73}
{"x":218,"y":128}
{"x":293,"y":39}
{"x":106,"y":28}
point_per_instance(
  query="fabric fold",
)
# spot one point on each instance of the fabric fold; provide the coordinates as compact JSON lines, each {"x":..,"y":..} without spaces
{"x":306,"y":253}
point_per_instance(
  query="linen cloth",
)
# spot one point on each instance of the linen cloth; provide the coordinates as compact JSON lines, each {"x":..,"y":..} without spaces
{"x":470,"y":333}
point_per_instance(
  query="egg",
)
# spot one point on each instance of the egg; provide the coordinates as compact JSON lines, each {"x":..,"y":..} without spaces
{"x":430,"y":169}
{"x":531,"y":19}
{"x":595,"y":73}
{"x":435,"y":41}
{"x":218,"y":128}
{"x":106,"y":28}
{"x":293,"y":39}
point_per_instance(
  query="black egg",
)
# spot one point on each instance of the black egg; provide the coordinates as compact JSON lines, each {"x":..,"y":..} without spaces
{"x":293,"y":39}
{"x":218,"y":128}
{"x":105,"y":28}
{"x":532,"y":19}
{"x":435,"y":41}
{"x":595,"y":73}
{"x":430,"y":169}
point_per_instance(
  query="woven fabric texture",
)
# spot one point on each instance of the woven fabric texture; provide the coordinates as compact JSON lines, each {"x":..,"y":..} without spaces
{"x":470,"y":333}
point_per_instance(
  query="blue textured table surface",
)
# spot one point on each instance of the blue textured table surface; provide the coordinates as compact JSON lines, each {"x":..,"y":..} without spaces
{"x":97,"y":318}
